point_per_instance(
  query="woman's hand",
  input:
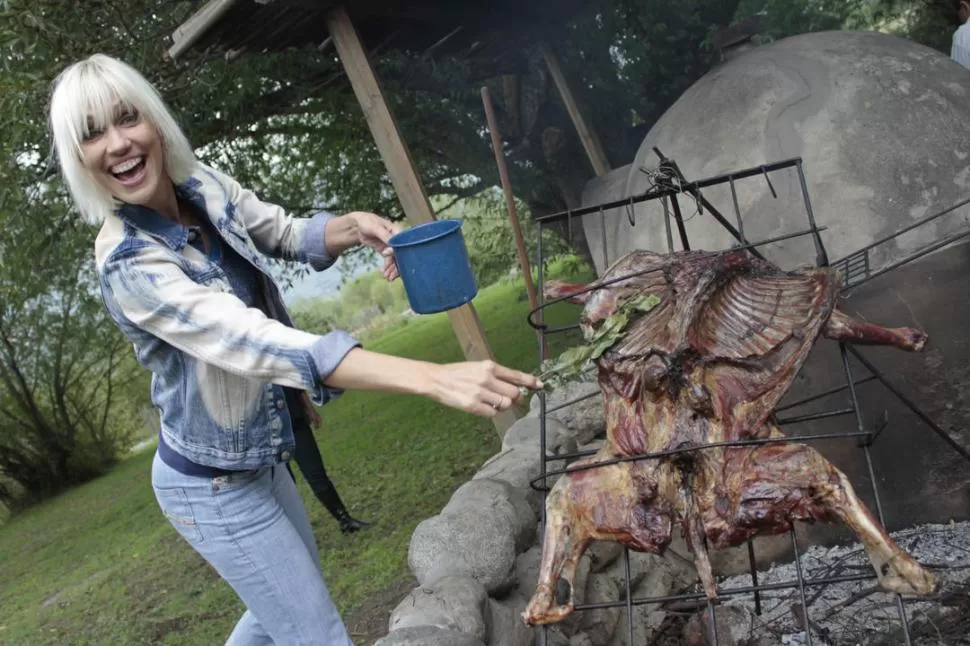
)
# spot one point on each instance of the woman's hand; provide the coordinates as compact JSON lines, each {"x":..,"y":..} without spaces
{"x":375,"y":232}
{"x":480,"y":387}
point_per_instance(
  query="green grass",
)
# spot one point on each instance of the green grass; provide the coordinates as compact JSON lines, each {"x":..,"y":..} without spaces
{"x":99,"y":565}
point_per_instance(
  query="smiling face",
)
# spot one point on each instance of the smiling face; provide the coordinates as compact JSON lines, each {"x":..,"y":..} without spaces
{"x":125,"y":156}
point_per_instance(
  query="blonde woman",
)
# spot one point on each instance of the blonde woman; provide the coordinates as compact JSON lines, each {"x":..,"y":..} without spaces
{"x":181,"y":259}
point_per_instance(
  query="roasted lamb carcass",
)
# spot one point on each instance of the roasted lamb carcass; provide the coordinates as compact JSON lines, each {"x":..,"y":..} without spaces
{"x":724,"y":339}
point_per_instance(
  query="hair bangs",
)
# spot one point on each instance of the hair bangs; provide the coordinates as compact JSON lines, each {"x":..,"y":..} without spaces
{"x":93,"y":98}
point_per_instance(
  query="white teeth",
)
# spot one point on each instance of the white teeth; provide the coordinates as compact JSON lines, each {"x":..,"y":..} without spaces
{"x":126,"y":165}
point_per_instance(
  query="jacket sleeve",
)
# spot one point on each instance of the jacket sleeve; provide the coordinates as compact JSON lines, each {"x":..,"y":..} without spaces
{"x":276,"y":233}
{"x":145,"y":288}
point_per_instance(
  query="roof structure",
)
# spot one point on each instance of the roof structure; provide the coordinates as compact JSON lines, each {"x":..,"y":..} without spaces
{"x":232,"y":26}
{"x":483,"y":28}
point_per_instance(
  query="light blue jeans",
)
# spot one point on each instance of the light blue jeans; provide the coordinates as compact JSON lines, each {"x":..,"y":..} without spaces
{"x":253,"y":529}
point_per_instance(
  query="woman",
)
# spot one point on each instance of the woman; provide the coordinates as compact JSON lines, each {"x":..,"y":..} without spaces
{"x":181,"y":262}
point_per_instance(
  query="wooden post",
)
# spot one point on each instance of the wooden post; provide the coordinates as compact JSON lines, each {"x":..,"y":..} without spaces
{"x":503,"y":173}
{"x":591,"y":142}
{"x":594,"y":149}
{"x":404,"y":176}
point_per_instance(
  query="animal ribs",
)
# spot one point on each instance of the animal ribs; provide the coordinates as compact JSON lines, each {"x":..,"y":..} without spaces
{"x":707,"y":365}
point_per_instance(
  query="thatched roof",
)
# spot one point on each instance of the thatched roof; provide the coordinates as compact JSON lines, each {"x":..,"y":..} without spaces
{"x":232,"y":26}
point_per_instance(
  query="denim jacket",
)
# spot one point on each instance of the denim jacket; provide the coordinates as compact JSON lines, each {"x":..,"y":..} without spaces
{"x":218,"y":367}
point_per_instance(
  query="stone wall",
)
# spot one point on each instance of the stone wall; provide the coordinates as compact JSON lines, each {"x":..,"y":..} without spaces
{"x":477,"y":562}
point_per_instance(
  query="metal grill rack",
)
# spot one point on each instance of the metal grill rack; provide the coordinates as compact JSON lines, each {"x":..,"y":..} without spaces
{"x":669,"y":186}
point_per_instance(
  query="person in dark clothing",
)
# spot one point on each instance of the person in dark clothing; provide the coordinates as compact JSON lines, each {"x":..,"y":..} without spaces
{"x":310,"y":461}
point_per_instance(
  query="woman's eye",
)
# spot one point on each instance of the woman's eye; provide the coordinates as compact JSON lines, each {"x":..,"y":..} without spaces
{"x":128,"y":117}
{"x":93,"y":134}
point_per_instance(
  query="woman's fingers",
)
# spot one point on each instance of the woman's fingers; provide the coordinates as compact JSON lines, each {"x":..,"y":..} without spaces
{"x":502,"y":388}
{"x":505,"y":390}
{"x":482,"y":387}
{"x":516,"y":377}
{"x":375,"y":231}
{"x":391,"y":270}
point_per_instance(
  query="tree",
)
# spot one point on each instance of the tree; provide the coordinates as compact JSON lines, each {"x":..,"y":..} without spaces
{"x":63,"y":366}
{"x":288,"y":125}
{"x":929,"y":22}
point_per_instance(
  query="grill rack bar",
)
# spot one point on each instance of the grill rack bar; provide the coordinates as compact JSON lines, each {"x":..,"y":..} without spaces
{"x":857,"y":269}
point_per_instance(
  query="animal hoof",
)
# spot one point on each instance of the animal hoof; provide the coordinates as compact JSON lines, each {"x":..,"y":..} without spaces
{"x":903,"y":575}
{"x":542,"y":609}
{"x":916,"y":339}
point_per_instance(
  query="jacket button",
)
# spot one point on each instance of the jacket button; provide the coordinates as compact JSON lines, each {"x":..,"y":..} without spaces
{"x":285,"y":455}
{"x":280,"y":404}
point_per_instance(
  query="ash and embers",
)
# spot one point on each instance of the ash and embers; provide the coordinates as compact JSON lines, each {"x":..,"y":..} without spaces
{"x":859,"y":612}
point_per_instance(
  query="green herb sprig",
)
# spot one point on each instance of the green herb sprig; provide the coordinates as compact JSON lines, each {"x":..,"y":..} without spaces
{"x":578,"y":361}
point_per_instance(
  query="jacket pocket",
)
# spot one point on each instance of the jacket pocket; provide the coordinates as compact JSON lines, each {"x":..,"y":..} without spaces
{"x":231,"y":402}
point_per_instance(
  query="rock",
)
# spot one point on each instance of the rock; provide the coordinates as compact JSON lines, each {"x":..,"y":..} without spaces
{"x":554,"y":636}
{"x":506,"y":625}
{"x":594,"y":446}
{"x":526,"y":432}
{"x":603,"y":553}
{"x":732,"y":561}
{"x":527,"y":571}
{"x":735,"y":627}
{"x":517,"y":466}
{"x":647,"y":617}
{"x":464,"y":543}
{"x":652,"y":575}
{"x":452,"y":603}
{"x":581,"y":639}
{"x":584,"y":419}
{"x":600,"y":623}
{"x":427,"y":636}
{"x":497,"y":498}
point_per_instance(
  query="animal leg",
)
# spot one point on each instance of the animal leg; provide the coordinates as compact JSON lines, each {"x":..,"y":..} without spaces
{"x":694,"y":535}
{"x":782,"y":483}
{"x":573,"y":292}
{"x":596,"y":504}
{"x":842,"y":327}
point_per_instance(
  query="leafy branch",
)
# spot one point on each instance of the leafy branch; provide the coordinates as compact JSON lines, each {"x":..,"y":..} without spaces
{"x":578,"y":361}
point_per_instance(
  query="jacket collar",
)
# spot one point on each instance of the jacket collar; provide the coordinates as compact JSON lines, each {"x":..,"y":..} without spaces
{"x":173,"y":234}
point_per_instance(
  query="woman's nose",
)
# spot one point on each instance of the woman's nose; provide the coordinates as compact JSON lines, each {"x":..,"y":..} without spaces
{"x":117,"y":141}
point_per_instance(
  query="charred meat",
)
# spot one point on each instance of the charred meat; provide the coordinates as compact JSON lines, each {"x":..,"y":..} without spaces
{"x":706,"y":364}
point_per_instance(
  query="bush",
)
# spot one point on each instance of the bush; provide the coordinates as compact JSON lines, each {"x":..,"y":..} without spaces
{"x":489,"y":237}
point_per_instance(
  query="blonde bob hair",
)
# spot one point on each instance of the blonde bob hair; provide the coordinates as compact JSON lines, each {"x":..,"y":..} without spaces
{"x":87,"y":95}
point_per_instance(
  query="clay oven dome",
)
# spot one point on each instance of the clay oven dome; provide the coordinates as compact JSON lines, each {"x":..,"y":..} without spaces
{"x":882,"y":123}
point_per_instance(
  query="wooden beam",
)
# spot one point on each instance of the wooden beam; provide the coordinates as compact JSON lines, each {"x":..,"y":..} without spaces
{"x":594,"y":149}
{"x":404,"y":176}
{"x":198,"y":23}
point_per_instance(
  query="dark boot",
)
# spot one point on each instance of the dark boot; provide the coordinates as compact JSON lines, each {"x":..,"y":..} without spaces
{"x":327,"y":494}
{"x":349,"y":525}
{"x":310,"y":461}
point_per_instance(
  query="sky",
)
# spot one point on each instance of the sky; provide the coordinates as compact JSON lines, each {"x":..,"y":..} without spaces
{"x":319,"y":284}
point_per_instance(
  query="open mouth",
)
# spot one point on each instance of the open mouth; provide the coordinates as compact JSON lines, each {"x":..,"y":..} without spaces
{"x":129,"y":172}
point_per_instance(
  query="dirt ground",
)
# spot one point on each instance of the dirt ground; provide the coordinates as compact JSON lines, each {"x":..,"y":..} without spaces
{"x":369,"y":622}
